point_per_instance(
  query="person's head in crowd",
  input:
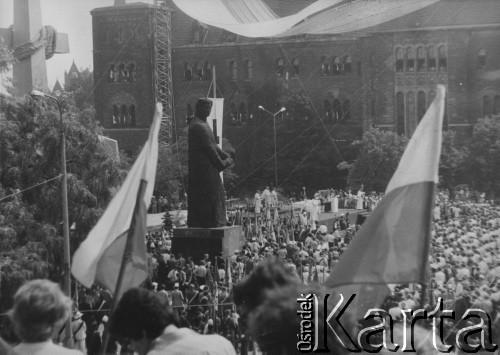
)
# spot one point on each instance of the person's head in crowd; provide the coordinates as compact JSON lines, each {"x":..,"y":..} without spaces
{"x":141,"y":317}
{"x":40,"y":308}
{"x":267,"y":303}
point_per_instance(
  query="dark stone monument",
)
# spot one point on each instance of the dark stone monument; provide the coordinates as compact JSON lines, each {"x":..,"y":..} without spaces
{"x":206,"y":196}
{"x":207,"y":232}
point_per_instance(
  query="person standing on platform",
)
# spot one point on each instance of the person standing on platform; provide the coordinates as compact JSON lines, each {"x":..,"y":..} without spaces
{"x":257,"y":204}
{"x":315,"y":210}
{"x":335,"y":202}
{"x":274,"y":203}
{"x":360,"y":198}
{"x":266,"y":197}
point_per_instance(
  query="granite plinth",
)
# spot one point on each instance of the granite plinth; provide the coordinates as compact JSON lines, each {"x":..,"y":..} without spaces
{"x":196,"y":242}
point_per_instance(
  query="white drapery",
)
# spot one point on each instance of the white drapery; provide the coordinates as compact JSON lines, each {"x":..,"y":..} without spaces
{"x":253,"y":18}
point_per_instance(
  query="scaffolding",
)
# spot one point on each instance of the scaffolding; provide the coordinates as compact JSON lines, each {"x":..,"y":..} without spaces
{"x":163,"y":67}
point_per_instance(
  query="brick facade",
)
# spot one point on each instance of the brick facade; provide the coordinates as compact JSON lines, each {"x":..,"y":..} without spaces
{"x":366,"y":86}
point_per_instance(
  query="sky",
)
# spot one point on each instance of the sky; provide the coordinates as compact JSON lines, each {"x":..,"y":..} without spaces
{"x":67,"y":16}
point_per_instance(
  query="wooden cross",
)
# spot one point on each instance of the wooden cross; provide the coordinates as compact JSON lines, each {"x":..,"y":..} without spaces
{"x":28,"y":39}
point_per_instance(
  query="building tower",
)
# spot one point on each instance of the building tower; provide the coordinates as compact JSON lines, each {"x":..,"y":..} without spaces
{"x":131,"y":69}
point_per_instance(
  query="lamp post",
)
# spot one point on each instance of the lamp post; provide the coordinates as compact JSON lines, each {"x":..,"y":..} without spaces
{"x":283,"y":109}
{"x":64,"y":199}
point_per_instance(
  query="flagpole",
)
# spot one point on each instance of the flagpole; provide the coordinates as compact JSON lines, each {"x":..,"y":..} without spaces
{"x":127,"y":256}
{"x":425,"y":255}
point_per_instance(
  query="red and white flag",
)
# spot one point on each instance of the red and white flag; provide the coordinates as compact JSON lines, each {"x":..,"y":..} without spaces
{"x":99,"y":257}
{"x":392,"y":247}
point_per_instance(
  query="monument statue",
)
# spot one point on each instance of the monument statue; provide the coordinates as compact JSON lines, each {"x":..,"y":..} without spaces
{"x":206,"y":197}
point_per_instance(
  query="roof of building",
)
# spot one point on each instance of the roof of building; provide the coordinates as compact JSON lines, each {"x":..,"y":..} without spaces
{"x":134,"y":5}
{"x":73,"y":68}
{"x":57,"y":86}
{"x":446,"y":13}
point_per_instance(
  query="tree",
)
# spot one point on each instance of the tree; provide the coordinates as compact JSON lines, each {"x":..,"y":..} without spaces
{"x":377,"y":160}
{"x":30,"y":203}
{"x":82,"y":89}
{"x":452,"y":161}
{"x":484,"y":155}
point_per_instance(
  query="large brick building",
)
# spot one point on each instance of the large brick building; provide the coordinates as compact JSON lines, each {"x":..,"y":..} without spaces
{"x":383,"y":77}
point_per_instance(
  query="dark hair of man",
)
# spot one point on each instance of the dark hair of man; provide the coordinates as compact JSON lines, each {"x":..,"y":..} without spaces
{"x":141,"y":312}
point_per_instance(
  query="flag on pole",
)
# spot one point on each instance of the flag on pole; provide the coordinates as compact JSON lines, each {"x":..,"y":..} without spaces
{"x":99,"y":257}
{"x":392,"y":246}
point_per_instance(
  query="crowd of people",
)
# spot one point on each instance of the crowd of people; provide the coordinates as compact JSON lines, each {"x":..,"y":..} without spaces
{"x":464,"y":262}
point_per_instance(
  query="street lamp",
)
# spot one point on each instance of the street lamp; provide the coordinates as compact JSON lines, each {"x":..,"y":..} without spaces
{"x":64,"y":198}
{"x":283,"y":109}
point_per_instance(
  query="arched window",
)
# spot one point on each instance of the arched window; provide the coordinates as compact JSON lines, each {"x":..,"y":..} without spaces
{"x":347,"y":109}
{"x":432,"y":96}
{"x":249,"y":69}
{"x":196,"y":32}
{"x":328,"y":108}
{"x":207,"y":71}
{"x":486,"y":106}
{"x":121,"y":35}
{"x":188,"y":72}
{"x":116,"y":116}
{"x":336,"y":66}
{"x":421,"y":59}
{"x":481,"y":58}
{"x":337,"y":110}
{"x":198,"y":71}
{"x":243,"y":112}
{"x":410,"y":113}
{"x":234,"y":113}
{"x":295,"y":66}
{"x":189,"y":112}
{"x":131,"y":72}
{"x":347,"y":64}
{"x":280,"y":68}
{"x":496,"y":105}
{"x":325,"y":68}
{"x":111,"y":73}
{"x":234,"y":69}
{"x":431,"y":59}
{"x":443,"y":58}
{"x":122,"y":73}
{"x":123,"y":115}
{"x":400,"y":60}
{"x":410,"y":59}
{"x":400,"y":113}
{"x":421,"y":105}
{"x":133,"y":122}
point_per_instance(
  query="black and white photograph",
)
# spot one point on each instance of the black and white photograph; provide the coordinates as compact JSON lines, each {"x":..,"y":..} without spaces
{"x":251,"y":177}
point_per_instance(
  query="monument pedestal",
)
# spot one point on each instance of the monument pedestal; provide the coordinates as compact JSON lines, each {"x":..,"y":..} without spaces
{"x":212,"y":241}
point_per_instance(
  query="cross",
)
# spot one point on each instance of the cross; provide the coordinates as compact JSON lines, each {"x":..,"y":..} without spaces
{"x":32,"y":44}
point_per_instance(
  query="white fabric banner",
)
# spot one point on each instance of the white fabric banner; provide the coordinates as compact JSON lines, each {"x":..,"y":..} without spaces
{"x":321,"y":17}
{"x":217,"y":113}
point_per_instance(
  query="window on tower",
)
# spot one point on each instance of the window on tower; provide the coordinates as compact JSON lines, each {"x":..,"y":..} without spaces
{"x":336,"y":66}
{"x":280,"y":68}
{"x":296,"y":67}
{"x":347,"y":64}
{"x":443,"y":60}
{"x":131,"y":72}
{"x":325,"y":68}
{"x":188,"y":72}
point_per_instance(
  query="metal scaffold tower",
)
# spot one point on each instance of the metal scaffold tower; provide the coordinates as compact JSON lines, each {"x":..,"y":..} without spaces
{"x":163,"y":67}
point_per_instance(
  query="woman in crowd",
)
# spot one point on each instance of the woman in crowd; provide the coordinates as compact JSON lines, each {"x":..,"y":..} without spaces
{"x":40,"y":309}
